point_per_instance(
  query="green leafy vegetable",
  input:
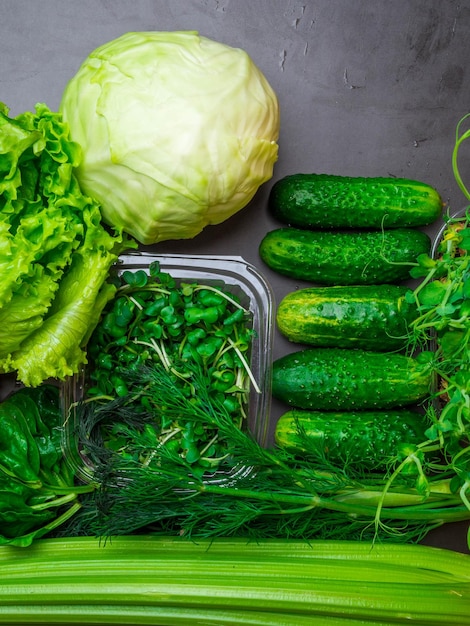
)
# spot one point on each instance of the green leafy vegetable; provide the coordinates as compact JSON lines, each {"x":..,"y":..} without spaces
{"x":54,"y":253}
{"x":178,"y":132}
{"x":37,"y":490}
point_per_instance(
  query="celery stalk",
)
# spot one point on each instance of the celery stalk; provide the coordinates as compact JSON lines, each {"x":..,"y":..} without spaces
{"x":155,"y":580}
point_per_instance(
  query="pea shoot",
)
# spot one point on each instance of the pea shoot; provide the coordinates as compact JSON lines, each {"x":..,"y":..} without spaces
{"x":443,"y":301}
{"x":153,"y":320}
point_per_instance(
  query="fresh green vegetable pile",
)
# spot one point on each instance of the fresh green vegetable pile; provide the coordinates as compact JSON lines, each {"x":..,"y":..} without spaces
{"x":351,"y":384}
{"x":394,"y":484}
{"x":54,"y":253}
{"x":171,"y":582}
{"x":370,"y":449}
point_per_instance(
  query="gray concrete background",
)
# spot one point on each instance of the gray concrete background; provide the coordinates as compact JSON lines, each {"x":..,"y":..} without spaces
{"x":366,"y":88}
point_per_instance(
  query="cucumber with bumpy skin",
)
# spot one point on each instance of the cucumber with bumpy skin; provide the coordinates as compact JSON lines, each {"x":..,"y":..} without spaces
{"x":366,"y":439}
{"x":374,"y":317}
{"x":340,"y":379}
{"x":331,"y":201}
{"x":344,"y":258}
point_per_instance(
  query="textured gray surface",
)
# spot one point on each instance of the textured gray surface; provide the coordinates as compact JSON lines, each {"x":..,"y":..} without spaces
{"x":366,"y":88}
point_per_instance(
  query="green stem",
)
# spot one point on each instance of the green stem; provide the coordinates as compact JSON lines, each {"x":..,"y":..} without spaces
{"x":445,"y":510}
{"x":463,"y":494}
{"x":220,"y":293}
{"x":245,"y":365}
{"x":73,"y":490}
{"x":56,"y":502}
{"x":458,"y":143}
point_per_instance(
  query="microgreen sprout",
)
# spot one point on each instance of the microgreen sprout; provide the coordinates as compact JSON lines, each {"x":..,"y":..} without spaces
{"x":156,"y":321}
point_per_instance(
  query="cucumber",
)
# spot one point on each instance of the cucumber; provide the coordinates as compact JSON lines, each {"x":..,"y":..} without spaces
{"x":340,"y":379}
{"x":366,"y":439}
{"x":330,"y":201}
{"x":374,"y":317}
{"x":344,"y":258}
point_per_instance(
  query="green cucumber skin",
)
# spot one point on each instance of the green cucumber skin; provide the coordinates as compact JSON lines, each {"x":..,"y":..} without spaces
{"x":367,"y":439}
{"x":344,"y":258}
{"x":340,"y":379}
{"x":331,"y":201}
{"x":373,"y":317}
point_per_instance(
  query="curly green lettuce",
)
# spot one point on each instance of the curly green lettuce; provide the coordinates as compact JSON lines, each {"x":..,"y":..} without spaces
{"x":55,"y":254}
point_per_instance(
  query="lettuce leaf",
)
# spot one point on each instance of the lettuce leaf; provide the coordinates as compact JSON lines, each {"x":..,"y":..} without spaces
{"x":55,"y":254}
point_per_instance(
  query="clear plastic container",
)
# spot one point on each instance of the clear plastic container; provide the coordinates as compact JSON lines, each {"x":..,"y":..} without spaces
{"x":456,"y":216}
{"x":236,"y":276}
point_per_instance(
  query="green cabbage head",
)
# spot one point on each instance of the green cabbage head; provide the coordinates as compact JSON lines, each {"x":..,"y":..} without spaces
{"x":177,"y":132}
